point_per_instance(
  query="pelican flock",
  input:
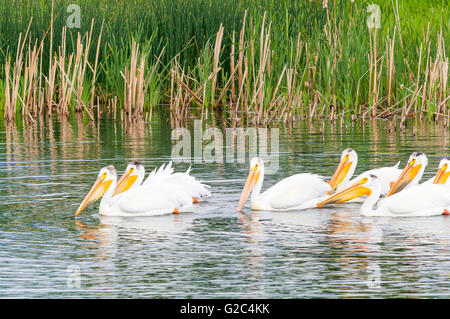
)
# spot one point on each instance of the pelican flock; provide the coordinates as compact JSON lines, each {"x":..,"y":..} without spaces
{"x":406,"y":197}
{"x":423,"y":200}
{"x":164,"y":192}
{"x":386,"y":191}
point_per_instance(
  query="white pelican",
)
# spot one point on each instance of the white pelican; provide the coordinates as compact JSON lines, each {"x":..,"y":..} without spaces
{"x":411,"y":174}
{"x":423,"y":200}
{"x":346,"y":168}
{"x":150,"y":200}
{"x":300,"y":191}
{"x":132,"y":178}
{"x":180,"y":182}
{"x":442,"y":173}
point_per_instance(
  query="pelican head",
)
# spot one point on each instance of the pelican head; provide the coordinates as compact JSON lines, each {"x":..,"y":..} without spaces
{"x":360,"y":187}
{"x":106,"y":177}
{"x":345,"y":169}
{"x":133,"y":176}
{"x":411,"y":174}
{"x":256,"y":168}
{"x":443,"y":172}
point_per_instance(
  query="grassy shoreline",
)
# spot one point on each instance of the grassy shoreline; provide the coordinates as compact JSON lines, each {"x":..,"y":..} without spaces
{"x":268,"y":62}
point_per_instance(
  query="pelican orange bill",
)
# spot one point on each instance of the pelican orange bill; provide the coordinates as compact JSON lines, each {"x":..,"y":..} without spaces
{"x":252,"y":179}
{"x":341,"y":172}
{"x":347,"y":194}
{"x":406,"y":176}
{"x":125,"y":182}
{"x":98,"y":189}
{"x":441,"y":175}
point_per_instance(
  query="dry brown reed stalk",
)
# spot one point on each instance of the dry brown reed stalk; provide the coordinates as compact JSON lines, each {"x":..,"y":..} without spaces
{"x":263,"y":67}
{"x":65,"y":89}
{"x":233,"y":81}
{"x":136,"y":83}
{"x":51,"y":69}
{"x":390,"y":67}
{"x":184,"y":95}
{"x":12,"y":93}
{"x":30,"y":97}
{"x":242,"y":75}
{"x":438,"y":78}
{"x":216,"y":68}
{"x":81,"y":64}
{"x":94,"y":71}
{"x":373,"y":72}
{"x":176,"y":93}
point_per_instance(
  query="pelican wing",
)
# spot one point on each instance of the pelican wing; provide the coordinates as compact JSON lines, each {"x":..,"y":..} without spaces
{"x":420,"y":200}
{"x":160,"y":174}
{"x":153,"y":200}
{"x":191,"y":185}
{"x":295,"y":191}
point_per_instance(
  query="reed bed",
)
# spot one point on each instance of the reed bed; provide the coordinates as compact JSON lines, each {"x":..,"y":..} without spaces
{"x":32,"y":91}
{"x":270,"y":62}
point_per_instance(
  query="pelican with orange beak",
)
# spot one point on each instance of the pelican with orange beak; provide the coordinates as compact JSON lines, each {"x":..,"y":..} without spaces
{"x":441,"y":177}
{"x":423,"y":200}
{"x":349,"y":159}
{"x":345,"y":169}
{"x":411,"y":174}
{"x":150,"y":200}
{"x":179,"y":182}
{"x":300,"y":191}
{"x":132,"y":178}
{"x":442,"y":173}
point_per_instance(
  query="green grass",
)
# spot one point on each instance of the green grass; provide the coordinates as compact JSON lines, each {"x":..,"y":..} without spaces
{"x":333,"y":62}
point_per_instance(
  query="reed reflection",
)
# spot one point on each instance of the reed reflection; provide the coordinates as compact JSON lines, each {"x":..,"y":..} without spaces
{"x":254,"y":256}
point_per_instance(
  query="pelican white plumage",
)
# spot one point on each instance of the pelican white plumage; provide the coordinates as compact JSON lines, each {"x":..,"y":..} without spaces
{"x":180,"y":182}
{"x":159,"y":174}
{"x":300,"y":191}
{"x":423,"y":200}
{"x":196,"y":189}
{"x":151,"y":200}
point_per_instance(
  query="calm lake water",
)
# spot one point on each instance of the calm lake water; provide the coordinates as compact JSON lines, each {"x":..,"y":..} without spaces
{"x":215,"y":252}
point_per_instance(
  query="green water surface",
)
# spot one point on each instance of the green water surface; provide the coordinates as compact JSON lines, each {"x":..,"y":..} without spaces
{"x":46,"y":170}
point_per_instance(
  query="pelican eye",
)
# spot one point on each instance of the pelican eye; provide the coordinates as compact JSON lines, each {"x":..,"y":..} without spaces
{"x":256,"y":167}
{"x":445,"y":167}
{"x":131,"y":170}
{"x":364,"y":180}
{"x":104,"y":176}
{"x":413,"y":161}
{"x":346,"y":157}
